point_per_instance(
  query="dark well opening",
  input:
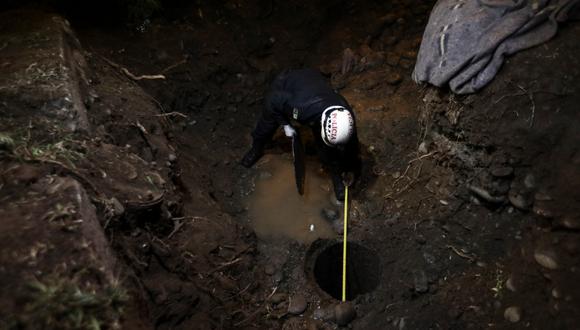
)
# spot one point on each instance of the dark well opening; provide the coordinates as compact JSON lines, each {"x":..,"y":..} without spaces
{"x":362,"y":270}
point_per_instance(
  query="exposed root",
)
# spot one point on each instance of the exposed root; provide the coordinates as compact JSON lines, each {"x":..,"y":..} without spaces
{"x":129,"y":74}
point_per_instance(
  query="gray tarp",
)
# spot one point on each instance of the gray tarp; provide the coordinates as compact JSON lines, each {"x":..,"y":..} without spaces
{"x":465,"y":41}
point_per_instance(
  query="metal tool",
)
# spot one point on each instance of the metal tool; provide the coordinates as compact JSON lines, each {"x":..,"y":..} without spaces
{"x":299,"y":162}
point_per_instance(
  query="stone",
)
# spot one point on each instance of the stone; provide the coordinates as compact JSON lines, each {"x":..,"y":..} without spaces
{"x":502,"y":172}
{"x":324,"y":314}
{"x":509,"y":284}
{"x":329,"y":214}
{"x":393,"y":78}
{"x":297,"y":305}
{"x":264,"y":175}
{"x":393,"y":58}
{"x":530,"y":181}
{"x":519,"y":200}
{"x":278,"y":298}
{"x":568,"y":222}
{"x":420,"y":281}
{"x":543,"y":209}
{"x":513,"y":314}
{"x":542,"y":196}
{"x":556,"y":293}
{"x":344,"y":313}
{"x":172,"y":157}
{"x":269,"y":269}
{"x":546,"y":258}
{"x":338,"y":226}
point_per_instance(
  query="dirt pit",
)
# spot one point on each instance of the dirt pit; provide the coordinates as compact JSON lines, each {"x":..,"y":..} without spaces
{"x":324,"y":265}
{"x":470,"y":202}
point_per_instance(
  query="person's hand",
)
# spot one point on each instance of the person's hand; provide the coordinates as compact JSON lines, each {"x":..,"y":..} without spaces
{"x":289,"y":131}
{"x":347,"y":178}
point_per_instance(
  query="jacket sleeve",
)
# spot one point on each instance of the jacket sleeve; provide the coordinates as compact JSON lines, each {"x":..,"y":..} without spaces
{"x":277,"y":105}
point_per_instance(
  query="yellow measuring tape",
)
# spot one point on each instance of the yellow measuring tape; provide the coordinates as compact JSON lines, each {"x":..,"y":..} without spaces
{"x":344,"y":244}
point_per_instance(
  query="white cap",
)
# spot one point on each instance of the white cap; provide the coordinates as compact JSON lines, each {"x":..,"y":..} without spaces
{"x":337,"y":125}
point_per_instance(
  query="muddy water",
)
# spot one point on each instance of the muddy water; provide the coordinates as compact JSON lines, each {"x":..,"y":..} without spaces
{"x":277,"y":210}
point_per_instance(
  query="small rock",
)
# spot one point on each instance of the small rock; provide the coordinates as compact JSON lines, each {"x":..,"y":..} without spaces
{"x":420,"y":239}
{"x":264,"y":175}
{"x":530,"y":181}
{"x":502,"y":172}
{"x":338,"y":226}
{"x":420,"y":281}
{"x":542,"y":209}
{"x":393,"y":78}
{"x":269,"y":269}
{"x":393,"y":59}
{"x":297,"y":304}
{"x":422,"y":148}
{"x":172,"y":157}
{"x":556,"y":293}
{"x":329,"y":214}
{"x":568,"y":222}
{"x":509,"y":284}
{"x":344,"y":313}
{"x":278,"y":298}
{"x":546,"y":258}
{"x":518,"y":200}
{"x":542,"y":196}
{"x":513,"y":314}
{"x":324,"y":314}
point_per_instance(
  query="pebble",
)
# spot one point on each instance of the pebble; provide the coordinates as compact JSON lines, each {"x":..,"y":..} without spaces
{"x":344,"y":313}
{"x":269,"y":269}
{"x":546,"y":258}
{"x":530,"y":181}
{"x":519,"y":201}
{"x":324,"y":314}
{"x":420,"y":281}
{"x":393,"y":78}
{"x":569,"y":222}
{"x":264,"y":175}
{"x":502,"y":172}
{"x":172,"y":157}
{"x":556,"y":293}
{"x":338,"y":226}
{"x":542,"y":196}
{"x":393,"y":59}
{"x":329,"y":214}
{"x":297,"y":304}
{"x":278,"y":298}
{"x":541,"y":209}
{"x":509,"y":284}
{"x":513,"y":314}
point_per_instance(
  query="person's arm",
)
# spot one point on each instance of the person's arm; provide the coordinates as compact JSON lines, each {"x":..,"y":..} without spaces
{"x":277,"y":104}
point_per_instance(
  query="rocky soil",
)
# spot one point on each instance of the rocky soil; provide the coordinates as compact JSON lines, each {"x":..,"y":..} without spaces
{"x":127,"y":191}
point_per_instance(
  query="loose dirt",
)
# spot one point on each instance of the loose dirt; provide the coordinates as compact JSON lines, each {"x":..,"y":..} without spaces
{"x":468,"y":203}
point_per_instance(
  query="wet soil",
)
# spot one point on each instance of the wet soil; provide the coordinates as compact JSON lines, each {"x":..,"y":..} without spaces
{"x":470,"y":204}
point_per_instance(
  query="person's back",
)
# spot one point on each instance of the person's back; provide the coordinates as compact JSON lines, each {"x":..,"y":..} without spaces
{"x":306,"y":96}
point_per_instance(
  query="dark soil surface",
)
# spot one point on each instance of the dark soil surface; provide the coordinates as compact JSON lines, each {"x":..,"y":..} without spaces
{"x":467,"y":214}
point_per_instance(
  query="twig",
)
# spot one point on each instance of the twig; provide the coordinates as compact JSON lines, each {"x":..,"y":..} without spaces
{"x":531,"y":97}
{"x":173,"y":113}
{"x":461,"y":254}
{"x":251,"y":316}
{"x":129,"y":74}
{"x":224,"y":265}
{"x":173,"y":66}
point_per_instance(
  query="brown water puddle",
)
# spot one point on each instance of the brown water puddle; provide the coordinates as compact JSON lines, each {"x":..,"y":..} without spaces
{"x":277,"y":210}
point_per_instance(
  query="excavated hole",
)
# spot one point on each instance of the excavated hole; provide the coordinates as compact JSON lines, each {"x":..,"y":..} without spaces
{"x":362,"y":270}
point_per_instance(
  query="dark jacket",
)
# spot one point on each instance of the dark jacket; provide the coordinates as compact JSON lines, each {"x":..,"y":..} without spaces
{"x":303,"y":95}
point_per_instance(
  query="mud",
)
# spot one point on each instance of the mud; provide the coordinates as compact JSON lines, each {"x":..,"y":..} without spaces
{"x":276,"y":210}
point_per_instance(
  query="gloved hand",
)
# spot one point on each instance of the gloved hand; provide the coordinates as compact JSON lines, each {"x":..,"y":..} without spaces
{"x":289,"y":131}
{"x":347,"y":178}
